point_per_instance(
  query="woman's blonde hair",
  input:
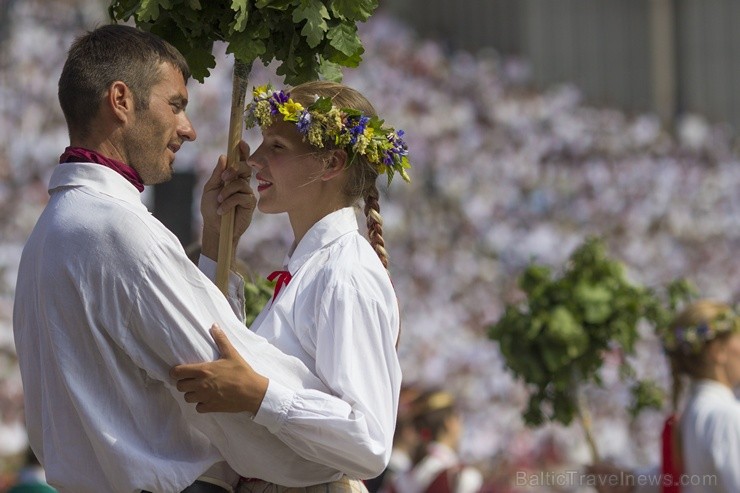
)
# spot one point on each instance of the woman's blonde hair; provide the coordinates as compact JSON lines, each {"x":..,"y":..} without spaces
{"x":690,"y":360}
{"x":362,"y":174}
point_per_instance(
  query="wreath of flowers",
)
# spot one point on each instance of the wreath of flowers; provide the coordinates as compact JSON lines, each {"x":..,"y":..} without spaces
{"x":691,"y":340}
{"x":323,"y":124}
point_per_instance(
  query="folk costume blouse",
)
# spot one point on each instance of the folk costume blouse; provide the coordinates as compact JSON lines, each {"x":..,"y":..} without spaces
{"x":440,"y":470}
{"x":106,"y":303}
{"x":339,"y":316}
{"x":710,"y":434}
{"x":710,"y":443}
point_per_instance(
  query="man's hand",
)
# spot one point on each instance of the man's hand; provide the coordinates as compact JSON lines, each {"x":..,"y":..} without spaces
{"x":228,"y":384}
{"x":227,"y":189}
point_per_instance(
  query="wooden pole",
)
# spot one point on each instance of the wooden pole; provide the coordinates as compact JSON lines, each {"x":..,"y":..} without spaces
{"x":236,"y":126}
{"x":584,"y":416}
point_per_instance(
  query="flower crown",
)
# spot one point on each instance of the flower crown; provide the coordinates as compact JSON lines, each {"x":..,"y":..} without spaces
{"x":691,"y":340}
{"x":323,"y":124}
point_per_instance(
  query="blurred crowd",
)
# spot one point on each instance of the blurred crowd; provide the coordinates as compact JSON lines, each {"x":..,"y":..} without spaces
{"x":502,"y":174}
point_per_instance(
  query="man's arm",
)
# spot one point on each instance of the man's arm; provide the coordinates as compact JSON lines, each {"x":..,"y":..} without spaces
{"x":171,"y":308}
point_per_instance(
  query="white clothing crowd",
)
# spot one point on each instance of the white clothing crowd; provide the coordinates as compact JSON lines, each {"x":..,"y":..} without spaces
{"x":502,"y":174}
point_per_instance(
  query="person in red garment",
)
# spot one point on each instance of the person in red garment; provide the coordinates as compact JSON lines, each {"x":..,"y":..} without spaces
{"x":701,"y":439}
{"x":437,"y":467}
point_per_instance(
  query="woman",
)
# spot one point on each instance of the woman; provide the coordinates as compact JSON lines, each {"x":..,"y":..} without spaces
{"x":436,"y":465}
{"x":701,"y":453}
{"x":334,"y":306}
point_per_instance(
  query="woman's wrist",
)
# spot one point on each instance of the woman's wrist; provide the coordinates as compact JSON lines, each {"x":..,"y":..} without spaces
{"x":209,"y":245}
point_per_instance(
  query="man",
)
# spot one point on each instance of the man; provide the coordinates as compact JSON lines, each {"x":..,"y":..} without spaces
{"x":107,"y":301}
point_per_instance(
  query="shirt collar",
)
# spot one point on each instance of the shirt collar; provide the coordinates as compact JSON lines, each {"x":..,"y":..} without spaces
{"x":325,"y":231}
{"x":713,"y":387}
{"x":102,"y":179}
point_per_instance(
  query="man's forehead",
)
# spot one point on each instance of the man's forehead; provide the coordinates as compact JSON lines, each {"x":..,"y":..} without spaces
{"x":172,"y":80}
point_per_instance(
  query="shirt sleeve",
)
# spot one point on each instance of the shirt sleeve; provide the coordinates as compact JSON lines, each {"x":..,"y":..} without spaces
{"x":235,"y":289}
{"x":350,"y":428}
{"x":173,"y":305}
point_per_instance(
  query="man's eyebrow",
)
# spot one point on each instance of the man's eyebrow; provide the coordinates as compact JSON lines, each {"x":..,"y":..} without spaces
{"x":180,"y":100}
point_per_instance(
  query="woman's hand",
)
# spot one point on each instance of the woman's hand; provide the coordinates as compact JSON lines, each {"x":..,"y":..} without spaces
{"x":227,"y":189}
{"x":228,"y":384}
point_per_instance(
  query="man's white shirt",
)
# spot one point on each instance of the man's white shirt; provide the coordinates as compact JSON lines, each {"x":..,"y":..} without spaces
{"x":106,"y":303}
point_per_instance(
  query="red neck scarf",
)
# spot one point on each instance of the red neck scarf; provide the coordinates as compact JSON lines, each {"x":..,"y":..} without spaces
{"x":283,"y":278}
{"x":82,"y":155}
{"x":672,"y":467}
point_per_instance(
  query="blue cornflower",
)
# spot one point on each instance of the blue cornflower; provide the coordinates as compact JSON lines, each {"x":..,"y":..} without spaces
{"x":357,"y":127}
{"x":304,"y":121}
{"x":277,"y":99}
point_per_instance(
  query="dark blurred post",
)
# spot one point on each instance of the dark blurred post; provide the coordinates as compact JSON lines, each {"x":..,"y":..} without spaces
{"x":663,"y":59}
{"x":173,"y":205}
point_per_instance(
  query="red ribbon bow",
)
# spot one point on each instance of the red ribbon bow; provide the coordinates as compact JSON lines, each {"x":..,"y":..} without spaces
{"x":283,"y":278}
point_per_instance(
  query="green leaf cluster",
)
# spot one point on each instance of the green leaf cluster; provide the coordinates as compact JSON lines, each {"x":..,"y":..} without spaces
{"x":555,"y":339}
{"x":311,"y":38}
{"x":257,"y":294}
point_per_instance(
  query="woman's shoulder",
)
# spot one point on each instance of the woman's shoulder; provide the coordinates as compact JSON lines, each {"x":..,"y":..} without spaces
{"x":719,"y":415}
{"x":351,"y":258}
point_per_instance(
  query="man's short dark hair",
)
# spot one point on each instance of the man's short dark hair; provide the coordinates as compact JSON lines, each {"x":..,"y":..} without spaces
{"x":107,"y":54}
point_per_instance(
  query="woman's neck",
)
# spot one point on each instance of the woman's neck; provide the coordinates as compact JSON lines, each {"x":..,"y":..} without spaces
{"x":713,"y":374}
{"x":302,"y":221}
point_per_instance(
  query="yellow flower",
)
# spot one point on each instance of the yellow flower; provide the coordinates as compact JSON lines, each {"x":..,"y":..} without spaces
{"x":261,"y":92}
{"x":291,"y":110}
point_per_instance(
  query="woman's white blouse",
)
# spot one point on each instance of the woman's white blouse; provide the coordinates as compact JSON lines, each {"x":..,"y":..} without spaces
{"x":710,"y":429}
{"x":339,"y":315}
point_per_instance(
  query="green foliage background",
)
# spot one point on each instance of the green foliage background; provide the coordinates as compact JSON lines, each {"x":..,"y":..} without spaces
{"x":257,"y":293}
{"x":311,"y":38}
{"x":555,"y":339}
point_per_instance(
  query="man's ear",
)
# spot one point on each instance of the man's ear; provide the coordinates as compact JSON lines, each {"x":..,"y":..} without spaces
{"x":120,"y":100}
{"x":335,"y":164}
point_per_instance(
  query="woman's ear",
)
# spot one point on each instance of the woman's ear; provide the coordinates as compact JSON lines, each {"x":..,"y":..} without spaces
{"x":716,"y":352}
{"x":336,"y":163}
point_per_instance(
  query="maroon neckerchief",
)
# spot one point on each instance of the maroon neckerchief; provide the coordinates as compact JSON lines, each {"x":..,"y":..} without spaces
{"x":82,"y":155}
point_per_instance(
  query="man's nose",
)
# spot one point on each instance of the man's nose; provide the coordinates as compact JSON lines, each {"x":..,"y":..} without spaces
{"x":186,"y":130}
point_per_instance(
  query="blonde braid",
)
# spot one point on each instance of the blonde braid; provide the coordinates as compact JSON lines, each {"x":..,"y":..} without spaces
{"x":375,"y":223}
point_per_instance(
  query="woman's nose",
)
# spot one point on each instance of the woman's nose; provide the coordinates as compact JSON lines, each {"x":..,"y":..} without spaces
{"x":254,"y":160}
